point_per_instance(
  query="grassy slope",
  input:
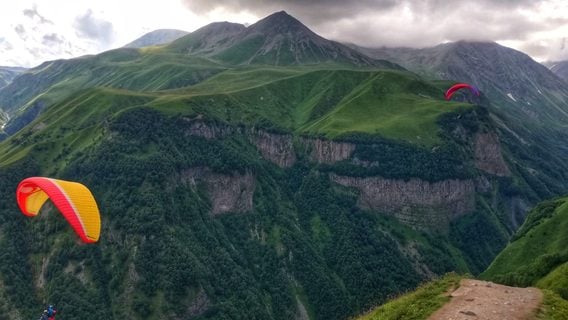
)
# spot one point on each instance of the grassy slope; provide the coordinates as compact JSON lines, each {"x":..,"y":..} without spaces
{"x":418,"y":304}
{"x":539,"y":252}
{"x":69,"y":127}
{"x":308,"y":100}
{"x":147,"y":69}
{"x":553,"y":307}
{"x":329,"y":102}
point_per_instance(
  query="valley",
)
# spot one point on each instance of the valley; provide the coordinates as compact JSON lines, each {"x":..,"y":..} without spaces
{"x":265,"y":172}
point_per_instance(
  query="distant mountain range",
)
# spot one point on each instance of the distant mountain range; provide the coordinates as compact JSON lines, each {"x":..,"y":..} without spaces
{"x":156,"y":37}
{"x":7,"y":74}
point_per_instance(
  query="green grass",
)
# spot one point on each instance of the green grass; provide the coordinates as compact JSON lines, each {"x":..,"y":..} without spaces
{"x":315,"y":100}
{"x":539,"y":253}
{"x":556,"y":280}
{"x":304,"y":100}
{"x":69,"y":127}
{"x":393,"y":104}
{"x":553,"y":307}
{"x":418,"y":304}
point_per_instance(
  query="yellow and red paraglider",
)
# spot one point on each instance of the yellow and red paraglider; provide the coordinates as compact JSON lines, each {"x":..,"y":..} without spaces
{"x":72,"y":199}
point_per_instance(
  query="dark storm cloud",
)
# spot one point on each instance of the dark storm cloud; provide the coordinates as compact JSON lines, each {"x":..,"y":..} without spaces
{"x":413,"y":23}
{"x":33,"y":13}
{"x":312,"y":11}
{"x":52,"y":39}
{"x":89,"y":26}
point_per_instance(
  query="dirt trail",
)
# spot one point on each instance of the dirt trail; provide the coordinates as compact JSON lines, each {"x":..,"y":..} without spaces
{"x":476,"y":299}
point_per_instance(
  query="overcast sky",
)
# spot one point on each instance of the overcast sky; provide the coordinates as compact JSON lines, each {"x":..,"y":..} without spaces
{"x":35,"y":31}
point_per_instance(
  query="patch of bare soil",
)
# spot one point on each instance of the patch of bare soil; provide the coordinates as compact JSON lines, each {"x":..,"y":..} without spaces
{"x":476,"y":299}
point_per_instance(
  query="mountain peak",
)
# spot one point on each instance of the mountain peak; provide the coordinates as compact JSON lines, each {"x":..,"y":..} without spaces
{"x":279,"y":22}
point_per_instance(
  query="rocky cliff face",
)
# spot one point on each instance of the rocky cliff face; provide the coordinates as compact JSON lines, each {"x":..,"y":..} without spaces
{"x":208,"y":131}
{"x":488,"y":155}
{"x":227,"y":193}
{"x":414,"y":202}
{"x":327,"y":151}
{"x":277,"y":148}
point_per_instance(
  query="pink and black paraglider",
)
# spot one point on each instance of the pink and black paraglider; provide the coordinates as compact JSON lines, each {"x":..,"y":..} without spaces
{"x":460,"y":86}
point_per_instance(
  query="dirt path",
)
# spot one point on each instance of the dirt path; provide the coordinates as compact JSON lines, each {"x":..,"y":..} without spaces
{"x":476,"y":299}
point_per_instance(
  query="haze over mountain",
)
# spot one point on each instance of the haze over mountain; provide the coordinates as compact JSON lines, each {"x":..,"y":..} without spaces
{"x":7,"y":74}
{"x":156,"y":37}
{"x":560,"y":68}
{"x":266,"y":172}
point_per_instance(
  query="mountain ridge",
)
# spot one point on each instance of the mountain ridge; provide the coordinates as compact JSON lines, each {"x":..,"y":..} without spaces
{"x":156,"y":37}
{"x":278,"y":39}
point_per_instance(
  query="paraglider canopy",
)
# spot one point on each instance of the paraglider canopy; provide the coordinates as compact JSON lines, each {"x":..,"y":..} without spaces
{"x":460,"y":86}
{"x":72,"y":199}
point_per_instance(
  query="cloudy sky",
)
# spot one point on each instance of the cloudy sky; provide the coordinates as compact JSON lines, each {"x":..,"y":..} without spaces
{"x":33,"y":31}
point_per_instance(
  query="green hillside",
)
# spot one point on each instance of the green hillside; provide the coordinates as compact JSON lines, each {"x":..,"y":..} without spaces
{"x":416,"y":305}
{"x":239,"y":187}
{"x":159,"y":225}
{"x":538,"y":253}
{"x":164,"y":255}
{"x":304,"y":100}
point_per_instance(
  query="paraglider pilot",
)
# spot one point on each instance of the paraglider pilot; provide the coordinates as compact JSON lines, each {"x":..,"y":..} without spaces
{"x":51,"y":311}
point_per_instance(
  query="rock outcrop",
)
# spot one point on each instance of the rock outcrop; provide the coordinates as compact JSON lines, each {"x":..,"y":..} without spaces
{"x":415,"y":202}
{"x":207,"y":131}
{"x":199,"y":305}
{"x":328,"y":151}
{"x":227,"y":193}
{"x":274,"y":147}
{"x":277,"y":148}
{"x":488,"y":155}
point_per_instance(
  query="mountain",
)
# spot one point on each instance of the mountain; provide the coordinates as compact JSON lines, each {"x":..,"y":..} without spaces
{"x":236,"y":187}
{"x":278,"y":39}
{"x":208,"y":39}
{"x":218,"y":201}
{"x":156,"y":37}
{"x":528,"y":101}
{"x":7,"y":74}
{"x":537,"y":254}
{"x":186,"y":61}
{"x":509,"y":77}
{"x":560,"y":68}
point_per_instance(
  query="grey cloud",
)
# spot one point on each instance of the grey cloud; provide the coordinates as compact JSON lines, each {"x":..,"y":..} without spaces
{"x":35,"y":52}
{"x":89,"y":26}
{"x":312,"y":11}
{"x":33,"y":13}
{"x":317,"y":11}
{"x":424,"y":22}
{"x":21,"y":31}
{"x":52,"y":39}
